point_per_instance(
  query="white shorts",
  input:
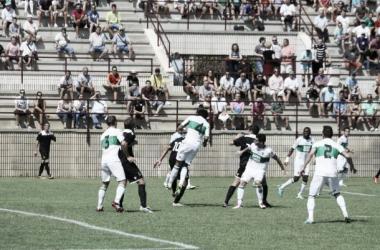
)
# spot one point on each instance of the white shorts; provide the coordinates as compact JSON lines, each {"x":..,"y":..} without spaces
{"x":257,"y":175}
{"x":286,"y":68}
{"x":114,"y":168}
{"x":187,"y":152}
{"x":298,"y":164}
{"x":319,"y":181}
{"x":342,"y":163}
{"x":271,"y":92}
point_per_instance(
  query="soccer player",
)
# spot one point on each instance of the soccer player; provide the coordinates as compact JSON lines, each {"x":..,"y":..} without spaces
{"x":111,"y":140}
{"x":43,"y":141}
{"x":326,"y":152}
{"x":256,"y":168}
{"x":303,"y":146}
{"x":128,"y":161}
{"x":376,"y":177}
{"x":198,"y":128}
{"x":342,"y":161}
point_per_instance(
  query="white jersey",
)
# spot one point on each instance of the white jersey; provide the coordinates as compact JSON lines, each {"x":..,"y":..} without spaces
{"x":198,"y":128}
{"x":326,"y":154}
{"x":303,"y":148}
{"x":259,"y":159}
{"x":175,"y":136}
{"x":343,"y":141}
{"x":342,"y":161}
{"x":111,"y":140}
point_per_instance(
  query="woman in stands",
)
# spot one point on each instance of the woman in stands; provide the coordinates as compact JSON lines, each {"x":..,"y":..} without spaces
{"x":234,"y":58}
{"x":39,"y":109}
{"x":212,"y":80}
{"x":354,"y":111}
{"x":64,"y":111}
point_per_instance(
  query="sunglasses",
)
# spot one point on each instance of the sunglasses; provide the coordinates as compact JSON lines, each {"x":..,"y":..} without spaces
{"x":274,"y":40}
{"x":261,"y":76}
{"x":22,"y":92}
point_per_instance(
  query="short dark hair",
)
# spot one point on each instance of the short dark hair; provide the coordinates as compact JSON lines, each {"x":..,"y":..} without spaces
{"x":261,"y":39}
{"x":113,"y":5}
{"x":346,"y":128}
{"x":261,"y":138}
{"x":254,"y":129}
{"x":111,"y":120}
{"x":129,"y":123}
{"x":202,"y":112}
{"x":307,"y":128}
{"x":327,"y":131}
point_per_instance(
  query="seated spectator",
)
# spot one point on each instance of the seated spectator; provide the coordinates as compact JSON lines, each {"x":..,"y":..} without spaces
{"x":345,"y":21}
{"x":84,"y":83}
{"x":361,"y":29}
{"x":326,"y":96}
{"x":291,"y":87}
{"x":79,"y":19}
{"x":22,"y":109}
{"x":307,"y":59}
{"x":237,"y":111}
{"x":181,"y":6}
{"x":320,"y":25}
{"x":99,"y":109}
{"x":198,"y":5}
{"x":354,"y":108}
{"x":189,"y":84}
{"x":266,"y":8}
{"x":3,"y":59}
{"x":80,"y":110}
{"x":148,"y":93}
{"x":277,"y":109}
{"x":14,"y":30}
{"x":66,"y":85}
{"x":370,"y":23}
{"x":258,"y":112}
{"x":321,"y":55}
{"x":276,"y":85}
{"x":226,"y":84}
{"x":250,"y":13}
{"x":355,"y":4}
{"x":340,"y":109}
{"x":321,"y":80}
{"x":362,"y":44}
{"x":340,"y":36}
{"x":233,"y":58}
{"x":159,"y":85}
{"x":288,"y":12}
{"x":97,"y":43}
{"x":162,"y":4}
{"x":28,"y":52}
{"x":287,"y":57}
{"x":12,"y":53}
{"x":346,"y":93}
{"x":29,"y":3}
{"x":140,"y":110}
{"x":132,"y":78}
{"x":353,"y":86}
{"x":276,"y":8}
{"x":338,"y":8}
{"x":60,"y":9}
{"x":243,"y":87}
{"x":312,"y":99}
{"x":375,"y":41}
{"x":132,"y":93}
{"x":122,"y":43}
{"x":361,"y":12}
{"x":231,"y":9}
{"x":61,"y":44}
{"x":219,"y":108}
{"x":258,"y":87}
{"x":64,"y":111}
{"x":204,"y":90}
{"x":31,"y":28}
{"x":352,"y":58}
{"x":245,"y":66}
{"x":113,"y":83}
{"x":212,"y":80}
{"x":7,"y":14}
{"x":368,"y":114}
{"x":113,"y":20}
{"x":93,"y":20}
{"x":39,"y":109}
{"x":177,"y":64}
{"x":45,"y":9}
{"x":371,"y":58}
{"x":146,"y":6}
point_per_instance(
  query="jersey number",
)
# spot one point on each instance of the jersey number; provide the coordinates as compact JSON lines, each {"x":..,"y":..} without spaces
{"x":199,"y":128}
{"x":328,"y":150}
{"x":176,"y":146}
{"x":107,"y":142}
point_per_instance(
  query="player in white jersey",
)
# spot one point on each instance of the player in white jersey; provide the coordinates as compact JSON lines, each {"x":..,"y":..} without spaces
{"x":342,"y":161}
{"x":302,"y":146}
{"x":326,"y":152}
{"x":111,"y":140}
{"x":197,"y":133}
{"x":256,"y":168}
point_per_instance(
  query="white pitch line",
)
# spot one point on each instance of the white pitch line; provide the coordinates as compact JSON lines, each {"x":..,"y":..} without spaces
{"x":86,"y":225}
{"x":166,"y":248}
{"x":370,"y":195}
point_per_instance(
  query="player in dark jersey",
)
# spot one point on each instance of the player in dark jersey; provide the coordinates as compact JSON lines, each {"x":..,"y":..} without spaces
{"x":127,"y":158}
{"x":43,"y":141}
{"x":243,"y":141}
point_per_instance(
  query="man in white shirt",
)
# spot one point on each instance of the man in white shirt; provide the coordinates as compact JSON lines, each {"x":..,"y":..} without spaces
{"x":84,"y":83}
{"x":361,"y":29}
{"x":344,"y":20}
{"x":242,"y":87}
{"x":320,"y":23}
{"x":276,"y":84}
{"x":97,"y":43}
{"x":219,"y":108}
{"x":28,"y":51}
{"x":31,"y":28}
{"x":22,"y":108}
{"x":99,"y":109}
{"x":7,"y":15}
{"x":61,"y":44}
{"x":287,"y":12}
{"x":66,"y":85}
{"x":291,"y":87}
{"x":226,"y":84}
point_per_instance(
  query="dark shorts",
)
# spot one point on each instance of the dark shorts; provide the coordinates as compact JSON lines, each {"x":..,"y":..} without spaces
{"x":288,"y":19}
{"x":93,"y":27}
{"x":44,"y":154}
{"x":14,"y":58}
{"x":81,"y":25}
{"x":240,"y":172}
{"x":172,"y":163}
{"x":291,"y":92}
{"x":21,"y":113}
{"x":132,"y":172}
{"x":8,"y":23}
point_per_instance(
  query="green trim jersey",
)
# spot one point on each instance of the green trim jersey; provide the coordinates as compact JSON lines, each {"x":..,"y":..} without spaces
{"x":259,"y":158}
{"x":303,"y":147}
{"x":342,"y":161}
{"x":327,"y":152}
{"x":198,"y":127}
{"x":343,"y":141}
{"x":111,"y":140}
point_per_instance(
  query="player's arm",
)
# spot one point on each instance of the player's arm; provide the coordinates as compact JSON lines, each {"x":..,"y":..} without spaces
{"x":239,"y":153}
{"x":52,"y":136}
{"x":162,"y":156}
{"x":205,"y":141}
{"x":234,"y":142}
{"x":308,"y":159}
{"x":124,"y":148}
{"x":275,"y":157}
{"x":350,"y":162}
{"x":37,"y":145}
{"x":286,"y":162}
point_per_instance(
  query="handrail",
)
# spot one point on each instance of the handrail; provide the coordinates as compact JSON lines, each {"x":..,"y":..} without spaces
{"x":311,"y":33}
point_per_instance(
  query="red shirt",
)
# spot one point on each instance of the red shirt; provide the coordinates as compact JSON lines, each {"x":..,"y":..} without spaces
{"x":114,"y":79}
{"x":377,"y":24}
{"x":148,"y":94}
{"x":258,"y":110}
{"x":78,"y":15}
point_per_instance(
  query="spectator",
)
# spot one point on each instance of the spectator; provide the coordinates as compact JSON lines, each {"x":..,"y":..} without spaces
{"x":159,"y":85}
{"x":266,"y":8}
{"x":212,"y":81}
{"x":64,"y":111}
{"x":113,"y":83}
{"x":250,"y":12}
{"x":140,"y":110}
{"x":113,"y":21}
{"x":287,"y":56}
{"x":29,"y":3}
{"x":370,"y":23}
{"x":207,"y":103}
{"x":277,"y":109}
{"x":353,"y":86}
{"x":361,"y":12}
{"x":277,"y":48}
{"x":61,"y":9}
{"x":258,"y":87}
{"x":12,"y":53}
{"x":377,"y":25}
{"x":148,"y":93}
{"x":219,"y":108}
{"x":306,"y":64}
{"x":269,"y":60}
{"x":197,"y":5}
{"x":122,"y":43}
{"x":312,"y":98}
{"x":99,"y":109}
{"x":340,"y":35}
{"x":354,"y":112}
{"x":371,"y":57}
{"x":204,"y":90}
{"x":22,"y":109}
{"x":258,"y":112}
{"x":181,"y":6}
{"x":237,"y":111}
{"x":97,"y":43}
{"x":66,"y":85}
{"x":39,"y":109}
{"x":276,"y":7}
{"x":368,"y":114}
{"x":355,"y":4}
{"x":189,"y":84}
{"x":375,"y":41}
{"x":276,"y":85}
{"x":320,"y":56}
{"x":288,"y":12}
{"x":346,"y":93}
{"x":320,"y":24}
{"x":3,"y":59}
{"x":45,"y":9}
{"x":177,"y":63}
{"x":321,"y":80}
{"x":61,"y":44}
{"x":362,"y":45}
{"x":80,"y":110}
{"x":162,"y":4}
{"x":344,"y":20}
{"x":340,"y":109}
{"x":93,"y":19}
{"x":31,"y":28}
{"x":291,"y":87}
{"x":132,"y":95}
{"x":259,"y":53}
{"x":28,"y":52}
{"x":132,"y":78}
{"x":7,"y":15}
{"x":79,"y":19}
{"x":361,"y":29}
{"x":226,"y":84}
{"x":234,"y":58}
{"x":245,"y":66}
{"x":326,"y":96}
{"x":338,"y":8}
{"x":352,"y":58}
{"x":85,"y":82}
{"x":243,"y":87}
{"x":14,"y":30}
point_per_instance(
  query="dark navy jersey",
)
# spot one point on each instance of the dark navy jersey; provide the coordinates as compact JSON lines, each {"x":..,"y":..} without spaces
{"x":244,"y":142}
{"x":129,"y":137}
{"x":174,"y":145}
{"x":45,"y":138}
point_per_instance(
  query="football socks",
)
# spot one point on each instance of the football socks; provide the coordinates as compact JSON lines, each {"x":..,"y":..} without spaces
{"x":231,"y":191}
{"x":119,"y":192}
{"x":303,"y":186}
{"x":142,"y":194}
{"x":240,"y":195}
{"x":179,"y":196}
{"x":342,"y":205}
{"x":173,"y":174}
{"x":183,"y":175}
{"x":310,"y":207}
{"x":101,"y":195}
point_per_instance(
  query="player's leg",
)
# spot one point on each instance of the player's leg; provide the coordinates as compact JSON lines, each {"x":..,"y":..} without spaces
{"x":190,"y":155}
{"x":334,"y":185}
{"x":343,"y":176}
{"x":142,"y":194}
{"x":106,"y":175}
{"x":182,"y":192}
{"x":41,"y":170}
{"x":305,"y":178}
{"x":235,"y":183}
{"x":265,"y":192}
{"x":117,"y":170}
{"x":181,"y":156}
{"x":259,"y":176}
{"x":167,"y":180}
{"x":246,"y":177}
{"x":189,"y":186}
{"x":376,"y":177}
{"x":296,"y":177}
{"x":316,"y":183}
{"x":47,"y":167}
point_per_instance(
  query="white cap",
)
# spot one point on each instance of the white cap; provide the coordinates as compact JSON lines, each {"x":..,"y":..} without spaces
{"x":29,"y":16}
{"x":330,"y":84}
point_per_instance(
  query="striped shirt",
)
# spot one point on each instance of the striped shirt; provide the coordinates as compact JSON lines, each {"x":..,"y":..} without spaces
{"x":320,"y":51}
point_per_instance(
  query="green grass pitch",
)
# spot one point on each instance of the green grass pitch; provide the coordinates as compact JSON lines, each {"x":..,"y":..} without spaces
{"x":202,"y":222}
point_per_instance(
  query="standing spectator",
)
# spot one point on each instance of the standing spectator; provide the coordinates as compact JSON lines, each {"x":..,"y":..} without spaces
{"x":245,"y":67}
{"x":226,"y":84}
{"x":29,"y":52}
{"x":189,"y":84}
{"x":321,"y":80}
{"x":219,"y":108}
{"x":177,"y":63}
{"x":45,"y":9}
{"x":99,"y":109}
{"x":287,"y":56}
{"x":132,"y":78}
{"x":320,"y":24}
{"x":353,"y":86}
{"x":140,"y":110}
{"x":369,"y":111}
{"x":326,"y":96}
{"x":66,"y":85}
{"x":132,"y":95}
{"x":320,"y":56}
{"x":340,"y":109}
{"x":259,"y":49}
{"x":362,"y":44}
{"x":362,"y":12}
{"x":7,"y":15}
{"x":61,"y":44}
{"x":122,"y":43}
{"x":22,"y":109}
{"x":12,"y":53}
{"x":371,"y":57}
{"x":43,"y":141}
{"x":80,"y":110}
{"x":277,"y":48}
{"x":93,"y":19}
{"x":243,"y":87}
{"x":258,"y":112}
{"x":288,"y":12}
{"x":291,"y":87}
{"x":340,"y":35}
{"x":212,"y":81}
{"x":276,"y":85}
{"x":277,"y":110}
{"x":64,"y":111}
{"x":312,"y":99}
{"x":97,"y":43}
{"x":269,"y":60}
{"x":163,"y":4}
{"x":204,"y":90}
{"x":31,"y":28}
{"x":258,"y":87}
{"x":352,"y":58}
{"x":61,"y":9}
{"x":233,"y":58}
{"x":237,"y":110}
{"x":79,"y":19}
{"x":113,"y":83}
{"x":247,"y":14}
{"x":39,"y":108}
{"x":159,"y":85}
{"x":14,"y":30}
{"x":355,"y":110}
{"x":113,"y":20}
{"x":306,"y":64}
{"x":85,"y":82}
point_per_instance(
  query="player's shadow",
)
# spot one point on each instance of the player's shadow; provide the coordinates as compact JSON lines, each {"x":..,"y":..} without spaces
{"x":138,"y":211}
{"x":342,"y":221}
{"x":203,"y":205}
